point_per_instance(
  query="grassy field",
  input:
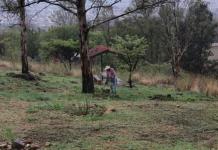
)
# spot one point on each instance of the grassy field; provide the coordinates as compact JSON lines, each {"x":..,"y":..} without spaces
{"x":145,"y":117}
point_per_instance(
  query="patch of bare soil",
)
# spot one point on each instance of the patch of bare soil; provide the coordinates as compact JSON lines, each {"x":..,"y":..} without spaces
{"x":176,"y":122}
{"x":13,"y":111}
{"x":160,"y":134}
{"x":171,"y":122}
{"x":68,"y":133}
{"x":13,"y":115}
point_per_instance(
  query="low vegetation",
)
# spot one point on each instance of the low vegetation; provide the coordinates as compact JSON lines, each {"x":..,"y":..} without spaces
{"x":154,"y":117}
{"x":52,"y":92}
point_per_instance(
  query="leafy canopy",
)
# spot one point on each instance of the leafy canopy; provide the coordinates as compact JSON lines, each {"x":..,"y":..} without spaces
{"x":61,"y":49}
{"x":130,"y":48}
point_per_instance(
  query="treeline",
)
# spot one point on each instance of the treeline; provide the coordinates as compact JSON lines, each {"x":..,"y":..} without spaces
{"x":173,"y":33}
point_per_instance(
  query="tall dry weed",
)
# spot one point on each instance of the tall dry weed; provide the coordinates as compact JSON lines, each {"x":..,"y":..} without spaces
{"x":151,"y":79}
{"x":188,"y":82}
{"x":198,"y":83}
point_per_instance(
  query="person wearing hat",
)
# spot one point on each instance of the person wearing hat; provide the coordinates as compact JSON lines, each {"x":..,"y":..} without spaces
{"x":111,"y":77}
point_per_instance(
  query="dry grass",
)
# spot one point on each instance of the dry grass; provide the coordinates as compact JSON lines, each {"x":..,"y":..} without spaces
{"x":55,"y":68}
{"x":188,"y":82}
{"x":198,"y":83}
{"x":209,"y":86}
{"x":58,"y":68}
{"x":152,"y":79}
{"x":9,"y":65}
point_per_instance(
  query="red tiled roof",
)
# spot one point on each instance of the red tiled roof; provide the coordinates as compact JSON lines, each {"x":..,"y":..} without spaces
{"x":99,"y":49}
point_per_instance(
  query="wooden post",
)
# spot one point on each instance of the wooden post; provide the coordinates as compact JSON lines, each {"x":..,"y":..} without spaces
{"x":102,"y":67}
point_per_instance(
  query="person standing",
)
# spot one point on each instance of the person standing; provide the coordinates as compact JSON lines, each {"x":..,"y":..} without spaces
{"x":112,"y":78}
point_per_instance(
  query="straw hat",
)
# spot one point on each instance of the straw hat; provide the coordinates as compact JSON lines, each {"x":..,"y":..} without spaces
{"x":107,"y":67}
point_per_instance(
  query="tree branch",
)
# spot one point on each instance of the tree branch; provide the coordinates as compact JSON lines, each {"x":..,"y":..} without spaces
{"x":160,"y":2}
{"x":102,"y":5}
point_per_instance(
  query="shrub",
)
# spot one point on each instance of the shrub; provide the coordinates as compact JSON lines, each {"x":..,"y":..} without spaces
{"x":84,"y":109}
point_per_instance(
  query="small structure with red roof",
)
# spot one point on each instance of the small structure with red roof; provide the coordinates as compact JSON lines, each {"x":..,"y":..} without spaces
{"x":99,"y":50}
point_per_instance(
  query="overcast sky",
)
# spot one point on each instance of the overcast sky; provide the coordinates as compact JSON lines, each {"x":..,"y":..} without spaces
{"x":42,"y":19}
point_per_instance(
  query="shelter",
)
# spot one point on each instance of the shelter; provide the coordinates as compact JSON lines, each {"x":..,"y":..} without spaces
{"x":99,"y":50}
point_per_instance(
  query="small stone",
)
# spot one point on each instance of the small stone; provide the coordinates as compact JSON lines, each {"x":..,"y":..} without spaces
{"x":28,"y":145}
{"x":178,"y":106}
{"x":9,"y":147}
{"x":3,"y":145}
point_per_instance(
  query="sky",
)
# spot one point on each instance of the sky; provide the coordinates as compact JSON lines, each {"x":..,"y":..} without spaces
{"x":42,"y":19}
{"x":213,"y":3}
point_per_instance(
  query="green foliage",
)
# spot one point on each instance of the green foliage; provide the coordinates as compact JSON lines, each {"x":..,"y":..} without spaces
{"x":146,"y":26}
{"x":130,"y":49}
{"x":130,"y":46}
{"x":50,"y":106}
{"x":96,"y":38}
{"x":10,"y":39}
{"x":63,"y":50}
{"x":200,"y":21}
{"x":33,"y":45}
{"x":62,"y":32}
{"x":136,"y":123}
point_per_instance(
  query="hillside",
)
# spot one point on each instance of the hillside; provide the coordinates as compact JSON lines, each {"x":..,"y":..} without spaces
{"x":53,"y":114}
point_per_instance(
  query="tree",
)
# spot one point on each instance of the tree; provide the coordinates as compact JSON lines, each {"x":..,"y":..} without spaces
{"x":61,"y":32}
{"x":130,"y":50}
{"x":177,"y":36}
{"x":9,"y":39}
{"x":104,"y":14}
{"x":61,"y":17}
{"x":82,"y":9}
{"x":33,"y":45}
{"x":18,"y":7}
{"x":200,"y":20}
{"x":63,"y":50}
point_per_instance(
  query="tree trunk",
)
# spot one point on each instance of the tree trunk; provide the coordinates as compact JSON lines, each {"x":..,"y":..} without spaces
{"x":23,"y":42}
{"x":130,"y":79}
{"x":87,"y":77}
{"x":176,"y":67}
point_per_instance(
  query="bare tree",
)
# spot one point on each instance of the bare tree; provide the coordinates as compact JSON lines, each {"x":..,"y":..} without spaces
{"x":105,"y":13}
{"x":61,"y":17}
{"x":177,"y":34}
